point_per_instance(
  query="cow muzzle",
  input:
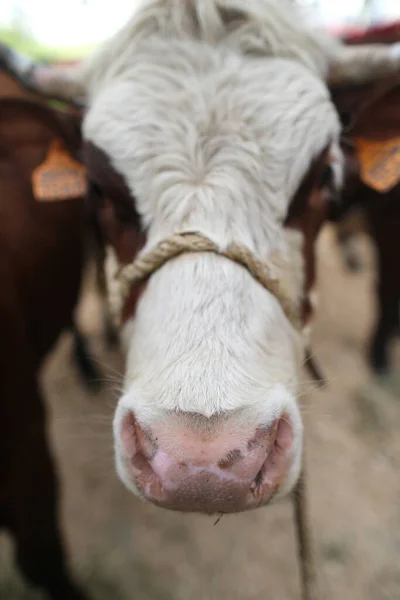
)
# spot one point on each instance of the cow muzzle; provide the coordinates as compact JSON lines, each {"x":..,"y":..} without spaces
{"x":189,"y":472}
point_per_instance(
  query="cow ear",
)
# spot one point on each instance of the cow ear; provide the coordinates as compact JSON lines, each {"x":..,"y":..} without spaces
{"x":25,"y":106}
{"x":369,"y":110}
{"x":371,"y":133}
{"x":46,"y":144}
{"x":59,"y":114}
{"x":349,"y":101}
{"x":25,"y":122}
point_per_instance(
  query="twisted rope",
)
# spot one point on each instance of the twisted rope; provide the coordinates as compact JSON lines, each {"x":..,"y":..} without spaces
{"x":183,"y":243}
{"x":310,"y":590}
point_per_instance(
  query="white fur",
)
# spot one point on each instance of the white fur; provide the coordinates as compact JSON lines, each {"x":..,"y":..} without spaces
{"x":213,"y":122}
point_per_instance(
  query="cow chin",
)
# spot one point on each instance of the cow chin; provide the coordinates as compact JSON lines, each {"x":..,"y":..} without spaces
{"x":227,"y":463}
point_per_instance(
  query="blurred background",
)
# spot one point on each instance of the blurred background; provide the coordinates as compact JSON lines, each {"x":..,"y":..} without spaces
{"x":72,"y":27}
{"x":122,"y":549}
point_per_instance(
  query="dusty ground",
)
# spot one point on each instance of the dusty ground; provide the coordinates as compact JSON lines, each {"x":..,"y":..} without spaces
{"x":123,"y":549}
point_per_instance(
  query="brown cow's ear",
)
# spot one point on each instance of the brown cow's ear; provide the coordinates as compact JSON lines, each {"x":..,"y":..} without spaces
{"x":369,"y":110}
{"x":63,"y":175}
{"x":371,"y":133}
{"x":13,"y":88}
{"x":349,"y":101}
{"x":54,"y":138}
{"x":374,"y":51}
{"x":42,"y":138}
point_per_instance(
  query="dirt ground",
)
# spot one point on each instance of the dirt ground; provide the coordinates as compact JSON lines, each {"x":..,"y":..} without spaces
{"x":122,"y":549}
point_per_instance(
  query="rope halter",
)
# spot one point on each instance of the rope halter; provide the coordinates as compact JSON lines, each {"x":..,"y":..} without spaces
{"x":193,"y":242}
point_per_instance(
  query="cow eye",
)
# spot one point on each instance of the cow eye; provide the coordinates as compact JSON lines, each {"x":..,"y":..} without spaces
{"x":123,"y":209}
{"x":326,"y":177}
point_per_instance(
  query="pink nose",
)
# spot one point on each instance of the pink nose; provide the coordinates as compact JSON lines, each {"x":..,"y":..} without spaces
{"x":181,"y":471}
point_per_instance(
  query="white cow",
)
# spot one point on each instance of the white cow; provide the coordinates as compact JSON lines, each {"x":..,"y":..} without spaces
{"x":213,"y":117}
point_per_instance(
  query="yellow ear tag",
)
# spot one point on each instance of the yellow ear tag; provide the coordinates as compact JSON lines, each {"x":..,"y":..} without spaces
{"x":59,"y":177}
{"x":380,"y":162}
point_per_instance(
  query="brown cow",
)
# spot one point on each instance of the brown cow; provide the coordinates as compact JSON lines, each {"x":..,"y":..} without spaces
{"x":372,"y":112}
{"x":41,"y":259}
{"x":87,"y":370}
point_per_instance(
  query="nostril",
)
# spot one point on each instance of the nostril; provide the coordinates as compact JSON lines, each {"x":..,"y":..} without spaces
{"x":190,"y":473}
{"x":276,"y":461}
{"x":284,"y":434}
{"x":137,"y":443}
{"x":257,"y":480}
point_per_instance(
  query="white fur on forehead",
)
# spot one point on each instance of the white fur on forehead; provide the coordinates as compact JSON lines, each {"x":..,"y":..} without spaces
{"x":209,"y":108}
{"x":197,"y":132}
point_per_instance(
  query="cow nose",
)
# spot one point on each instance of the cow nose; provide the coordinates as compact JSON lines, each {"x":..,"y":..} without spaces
{"x":189,"y":474}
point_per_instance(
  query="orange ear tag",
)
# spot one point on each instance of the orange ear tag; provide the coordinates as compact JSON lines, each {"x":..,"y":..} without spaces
{"x":380,"y":162}
{"x":59,"y":177}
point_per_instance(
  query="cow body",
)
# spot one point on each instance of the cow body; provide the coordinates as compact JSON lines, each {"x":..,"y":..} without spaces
{"x":41,"y":257}
{"x":212,"y":121}
{"x":366,"y":209}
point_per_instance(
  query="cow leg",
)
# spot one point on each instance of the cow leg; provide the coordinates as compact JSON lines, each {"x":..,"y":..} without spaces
{"x":387,"y":327}
{"x":349,"y":251}
{"x":352,"y":223}
{"x":32,"y":512}
{"x":386,"y":232}
{"x":33,"y":522}
{"x":29,"y":490}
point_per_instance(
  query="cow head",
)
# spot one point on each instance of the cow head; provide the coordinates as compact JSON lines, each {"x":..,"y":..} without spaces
{"x":214,"y":119}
